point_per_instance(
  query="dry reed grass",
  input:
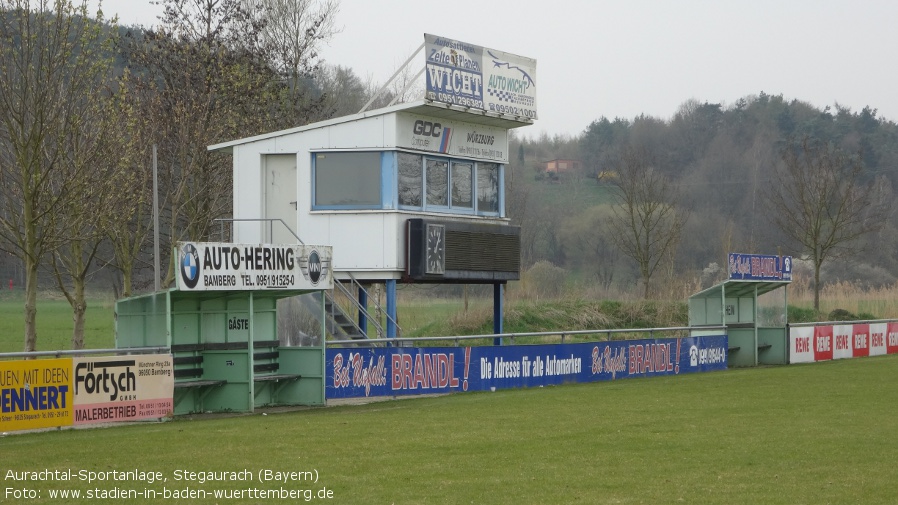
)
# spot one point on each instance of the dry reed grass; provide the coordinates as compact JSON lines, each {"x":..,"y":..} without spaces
{"x":880,"y":302}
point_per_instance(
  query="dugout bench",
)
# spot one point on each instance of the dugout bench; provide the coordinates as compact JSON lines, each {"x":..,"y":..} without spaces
{"x":225,"y":349}
{"x":755,"y":315}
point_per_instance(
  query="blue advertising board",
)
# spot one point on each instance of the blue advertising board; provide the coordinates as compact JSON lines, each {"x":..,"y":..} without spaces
{"x":758,"y":267}
{"x":393,"y":371}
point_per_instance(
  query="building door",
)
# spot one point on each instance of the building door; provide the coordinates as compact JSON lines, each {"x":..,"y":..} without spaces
{"x":281,"y":200}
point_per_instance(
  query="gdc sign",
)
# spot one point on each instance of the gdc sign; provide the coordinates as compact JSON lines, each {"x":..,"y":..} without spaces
{"x":427,"y":128}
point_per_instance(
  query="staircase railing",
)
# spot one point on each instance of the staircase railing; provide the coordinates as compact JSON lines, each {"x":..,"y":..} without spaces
{"x":377,"y":307}
{"x":374,"y":319}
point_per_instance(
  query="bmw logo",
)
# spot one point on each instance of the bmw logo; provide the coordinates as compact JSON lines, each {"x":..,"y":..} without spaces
{"x":190,"y":266}
{"x":314,"y":267}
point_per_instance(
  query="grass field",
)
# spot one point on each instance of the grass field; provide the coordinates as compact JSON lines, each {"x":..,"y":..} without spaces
{"x":821,"y":433}
{"x":54,"y":323}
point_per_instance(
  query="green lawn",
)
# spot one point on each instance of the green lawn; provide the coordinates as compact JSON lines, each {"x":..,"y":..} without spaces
{"x":54,"y":323}
{"x":819,"y":433}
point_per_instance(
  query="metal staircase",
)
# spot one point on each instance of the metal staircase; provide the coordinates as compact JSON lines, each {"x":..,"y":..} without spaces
{"x":339,"y":324}
{"x":342,"y":325}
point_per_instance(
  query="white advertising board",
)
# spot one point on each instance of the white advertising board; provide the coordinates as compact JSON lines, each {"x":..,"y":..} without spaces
{"x":122,"y":388}
{"x":468,"y":75}
{"x":452,"y":138}
{"x":212,"y":266}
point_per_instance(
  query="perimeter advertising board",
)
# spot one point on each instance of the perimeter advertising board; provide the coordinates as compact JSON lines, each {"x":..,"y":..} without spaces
{"x":468,"y":75}
{"x":35,"y":394}
{"x":122,"y":388}
{"x":412,"y":371}
{"x":213,"y":266}
{"x":50,"y":393}
{"x":808,"y":344}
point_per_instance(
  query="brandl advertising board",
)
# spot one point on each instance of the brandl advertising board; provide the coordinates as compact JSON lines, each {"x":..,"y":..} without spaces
{"x":213,"y":266}
{"x":389,"y":371}
{"x":758,"y":267}
{"x":459,"y":73}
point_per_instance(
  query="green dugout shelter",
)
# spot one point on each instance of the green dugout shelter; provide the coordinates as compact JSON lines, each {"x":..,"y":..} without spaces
{"x":752,"y":307}
{"x":220,"y":322}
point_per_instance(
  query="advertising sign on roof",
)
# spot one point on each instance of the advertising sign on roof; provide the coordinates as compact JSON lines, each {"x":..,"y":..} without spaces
{"x":757,"y":267}
{"x":472,"y":76}
{"x":211,"y":266}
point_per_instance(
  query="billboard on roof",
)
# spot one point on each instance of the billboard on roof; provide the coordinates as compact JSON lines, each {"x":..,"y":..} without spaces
{"x":468,"y":75}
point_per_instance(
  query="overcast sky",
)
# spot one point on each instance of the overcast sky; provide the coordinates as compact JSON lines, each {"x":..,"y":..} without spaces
{"x":628,"y":57}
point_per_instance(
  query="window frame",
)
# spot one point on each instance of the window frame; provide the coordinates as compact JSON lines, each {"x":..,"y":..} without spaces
{"x":383,"y":160}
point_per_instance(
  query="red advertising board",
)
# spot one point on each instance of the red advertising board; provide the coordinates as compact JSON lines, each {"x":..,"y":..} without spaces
{"x":861,"y":340}
{"x":892,"y":339}
{"x":823,"y":343}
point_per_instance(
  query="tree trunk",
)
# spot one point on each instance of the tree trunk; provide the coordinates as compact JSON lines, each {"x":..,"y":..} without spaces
{"x":817,"y":286}
{"x":126,"y":282}
{"x":79,"y":307}
{"x":30,"y":304}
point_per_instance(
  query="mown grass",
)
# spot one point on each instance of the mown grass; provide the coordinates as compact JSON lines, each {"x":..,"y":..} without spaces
{"x":820,"y":433}
{"x":54,"y":323}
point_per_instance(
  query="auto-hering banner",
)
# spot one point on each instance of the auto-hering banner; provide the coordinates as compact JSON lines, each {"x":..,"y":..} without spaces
{"x":49,"y":393}
{"x":389,"y":371}
{"x":213,"y":266}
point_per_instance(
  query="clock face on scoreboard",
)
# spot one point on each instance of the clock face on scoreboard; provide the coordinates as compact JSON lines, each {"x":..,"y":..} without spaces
{"x":436,"y":249}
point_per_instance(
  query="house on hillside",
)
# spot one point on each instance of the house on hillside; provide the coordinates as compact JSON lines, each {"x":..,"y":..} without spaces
{"x":562,"y":166}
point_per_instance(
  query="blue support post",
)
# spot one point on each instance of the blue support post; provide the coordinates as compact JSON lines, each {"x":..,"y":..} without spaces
{"x":497,"y":313}
{"x":391,"y":308}
{"x":363,"y":304}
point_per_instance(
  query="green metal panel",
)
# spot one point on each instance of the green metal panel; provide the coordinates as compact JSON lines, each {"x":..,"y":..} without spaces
{"x":776,"y":354}
{"x":187,"y":328}
{"x":714,"y":310}
{"x":141,"y":321}
{"x":214,"y":327}
{"x":307,"y":362}
{"x":742,"y":345}
{"x":746,"y":309}
{"x":698,"y":315}
{"x":231,"y":366}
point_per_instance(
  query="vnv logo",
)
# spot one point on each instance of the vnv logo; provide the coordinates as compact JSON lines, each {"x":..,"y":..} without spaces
{"x":314,"y":267}
{"x":427,"y":128}
{"x":190,"y":266}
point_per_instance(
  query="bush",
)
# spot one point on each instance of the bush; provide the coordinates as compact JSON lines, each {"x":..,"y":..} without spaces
{"x":802,"y":315}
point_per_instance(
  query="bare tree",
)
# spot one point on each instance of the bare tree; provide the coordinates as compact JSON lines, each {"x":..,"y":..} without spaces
{"x":588,"y":238}
{"x":52,"y":59}
{"x":96,"y":189}
{"x":820,"y":199}
{"x":646,"y":221}
{"x":129,"y":233}
{"x":200,"y":78}
{"x":291,"y":32}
